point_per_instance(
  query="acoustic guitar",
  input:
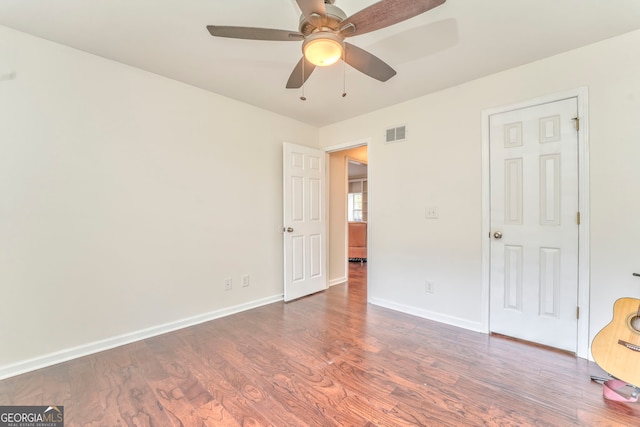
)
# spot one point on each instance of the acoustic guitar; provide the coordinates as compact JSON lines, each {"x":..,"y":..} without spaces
{"x":616,"y":348}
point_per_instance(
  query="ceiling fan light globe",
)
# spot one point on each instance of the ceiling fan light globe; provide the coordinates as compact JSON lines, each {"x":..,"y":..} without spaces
{"x":322,"y":51}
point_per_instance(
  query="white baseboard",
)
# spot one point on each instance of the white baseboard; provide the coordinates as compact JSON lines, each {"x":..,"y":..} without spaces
{"x":338,"y":281}
{"x":430,"y":315}
{"x":117,"y":341}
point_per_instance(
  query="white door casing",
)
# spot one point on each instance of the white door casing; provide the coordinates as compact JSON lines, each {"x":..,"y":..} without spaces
{"x":304,"y":230}
{"x":534,"y":205}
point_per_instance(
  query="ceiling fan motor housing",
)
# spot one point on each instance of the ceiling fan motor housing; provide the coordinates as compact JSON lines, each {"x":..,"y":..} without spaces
{"x":334,"y":16}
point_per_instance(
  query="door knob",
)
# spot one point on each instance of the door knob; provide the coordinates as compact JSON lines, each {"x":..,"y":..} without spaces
{"x":497,"y":235}
{"x":289,"y":230}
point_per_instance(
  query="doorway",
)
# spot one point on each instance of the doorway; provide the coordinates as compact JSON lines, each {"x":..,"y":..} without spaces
{"x":357,"y":210}
{"x":339,"y":159}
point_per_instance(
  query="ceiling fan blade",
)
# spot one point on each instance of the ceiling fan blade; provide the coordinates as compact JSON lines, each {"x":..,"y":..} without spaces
{"x":296,"y":79}
{"x":252,"y":33}
{"x":312,"y":9}
{"x":385,"y":13}
{"x":367,"y":63}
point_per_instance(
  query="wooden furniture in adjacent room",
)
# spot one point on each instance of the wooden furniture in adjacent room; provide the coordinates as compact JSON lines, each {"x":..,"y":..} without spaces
{"x":357,"y":241}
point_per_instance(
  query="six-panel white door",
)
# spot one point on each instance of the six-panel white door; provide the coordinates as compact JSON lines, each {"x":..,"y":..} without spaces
{"x":304,"y":221}
{"x":534,"y":229}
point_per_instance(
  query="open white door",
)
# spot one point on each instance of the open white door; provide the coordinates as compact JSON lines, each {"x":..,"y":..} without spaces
{"x":304,"y":221}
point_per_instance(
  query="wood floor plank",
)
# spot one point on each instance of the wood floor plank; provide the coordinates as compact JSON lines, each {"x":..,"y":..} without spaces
{"x":135,"y":401}
{"x":246,"y":387}
{"x":329,"y":359}
{"x":7,"y":390}
{"x":178,"y":369}
{"x":28,"y":388}
{"x":87,"y":391}
{"x":229,"y":407}
{"x":379,"y":413}
{"x":266,"y":384}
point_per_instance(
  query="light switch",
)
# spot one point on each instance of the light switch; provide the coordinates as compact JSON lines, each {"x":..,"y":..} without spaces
{"x":431,"y":212}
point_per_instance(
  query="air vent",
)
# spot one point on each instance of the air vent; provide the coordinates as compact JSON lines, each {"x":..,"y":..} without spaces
{"x":396,"y":134}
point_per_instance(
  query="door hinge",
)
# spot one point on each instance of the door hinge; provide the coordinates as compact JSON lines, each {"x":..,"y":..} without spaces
{"x":578,"y":217}
{"x":577,"y":312}
{"x":576,"y":122}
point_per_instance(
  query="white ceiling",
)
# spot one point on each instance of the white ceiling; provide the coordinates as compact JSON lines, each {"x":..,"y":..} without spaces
{"x":456,"y":42}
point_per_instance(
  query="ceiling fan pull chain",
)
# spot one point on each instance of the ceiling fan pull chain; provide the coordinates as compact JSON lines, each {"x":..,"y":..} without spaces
{"x":303,"y":98}
{"x":344,"y":73}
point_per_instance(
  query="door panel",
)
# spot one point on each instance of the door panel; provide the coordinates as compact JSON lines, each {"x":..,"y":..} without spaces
{"x":304,"y":221}
{"x":534,"y":203}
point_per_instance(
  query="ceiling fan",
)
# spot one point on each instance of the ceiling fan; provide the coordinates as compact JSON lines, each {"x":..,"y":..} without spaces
{"x":323,"y":28}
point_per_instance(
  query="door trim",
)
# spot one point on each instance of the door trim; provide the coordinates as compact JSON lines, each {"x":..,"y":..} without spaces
{"x":581,"y":93}
{"x":348,"y":145}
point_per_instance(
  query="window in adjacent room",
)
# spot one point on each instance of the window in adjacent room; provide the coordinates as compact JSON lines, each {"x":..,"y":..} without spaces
{"x":355,"y":206}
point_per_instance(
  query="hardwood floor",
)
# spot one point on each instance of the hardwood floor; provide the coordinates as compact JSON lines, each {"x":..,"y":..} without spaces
{"x":324,"y":360}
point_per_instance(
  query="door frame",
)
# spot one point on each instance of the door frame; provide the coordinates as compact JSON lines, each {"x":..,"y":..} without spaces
{"x":581,"y":94}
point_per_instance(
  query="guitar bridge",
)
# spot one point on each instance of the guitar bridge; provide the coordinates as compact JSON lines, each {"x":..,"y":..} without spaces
{"x":630,"y":346}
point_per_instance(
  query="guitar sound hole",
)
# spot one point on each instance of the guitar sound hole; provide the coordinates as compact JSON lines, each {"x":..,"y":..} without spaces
{"x":634,"y":322}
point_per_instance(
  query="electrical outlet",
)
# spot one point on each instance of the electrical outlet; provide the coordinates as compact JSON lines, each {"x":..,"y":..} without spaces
{"x":228,"y":284}
{"x":429,"y":287}
{"x":245,"y":280}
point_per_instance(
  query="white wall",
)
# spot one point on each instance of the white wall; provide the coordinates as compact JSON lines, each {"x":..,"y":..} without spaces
{"x":441,"y":164}
{"x":125,"y":200}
